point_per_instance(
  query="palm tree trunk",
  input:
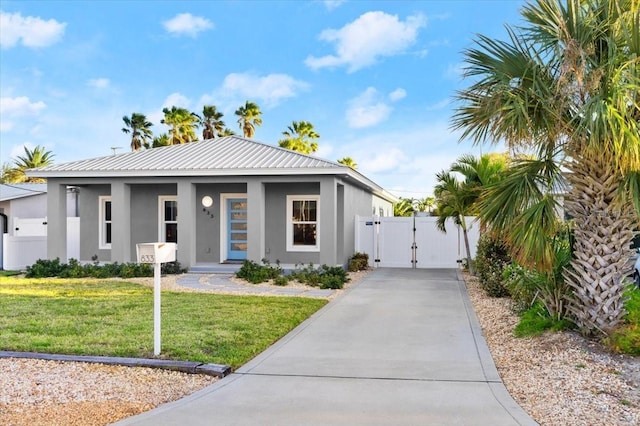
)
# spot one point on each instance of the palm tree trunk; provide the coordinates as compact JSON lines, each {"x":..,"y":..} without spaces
{"x":463,"y":225}
{"x":602,"y":247}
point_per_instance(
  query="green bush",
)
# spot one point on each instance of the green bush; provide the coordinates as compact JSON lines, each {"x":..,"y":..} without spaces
{"x":333,"y":277}
{"x":536,"y":320}
{"x":172,"y":268}
{"x":491,"y":260}
{"x":281,"y":280}
{"x":45,"y":268}
{"x":359,"y":262}
{"x":256,"y":273}
{"x":74,"y":269}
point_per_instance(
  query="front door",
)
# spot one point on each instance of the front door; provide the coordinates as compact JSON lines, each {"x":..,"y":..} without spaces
{"x":236,"y":228}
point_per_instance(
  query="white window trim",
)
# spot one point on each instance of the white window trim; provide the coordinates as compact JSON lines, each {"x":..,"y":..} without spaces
{"x":162,"y":236}
{"x":289,"y":231}
{"x":102,"y":245}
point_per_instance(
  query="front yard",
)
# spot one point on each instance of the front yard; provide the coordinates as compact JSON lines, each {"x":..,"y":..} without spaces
{"x":115,"y":318}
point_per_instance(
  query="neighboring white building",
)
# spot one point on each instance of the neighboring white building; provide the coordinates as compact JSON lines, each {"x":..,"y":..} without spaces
{"x":23,"y":222}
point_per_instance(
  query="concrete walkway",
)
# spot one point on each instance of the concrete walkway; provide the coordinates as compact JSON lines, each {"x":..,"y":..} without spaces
{"x":401,"y":347}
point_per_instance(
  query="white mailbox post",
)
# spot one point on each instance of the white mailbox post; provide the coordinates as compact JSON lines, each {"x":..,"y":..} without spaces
{"x":156,"y":253}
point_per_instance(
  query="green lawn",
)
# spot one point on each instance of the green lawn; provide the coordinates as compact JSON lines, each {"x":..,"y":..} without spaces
{"x":102,"y":317}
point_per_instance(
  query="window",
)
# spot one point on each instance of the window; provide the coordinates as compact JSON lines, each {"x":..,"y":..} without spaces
{"x":302,"y":223}
{"x":168,"y":209}
{"x":104,"y":232}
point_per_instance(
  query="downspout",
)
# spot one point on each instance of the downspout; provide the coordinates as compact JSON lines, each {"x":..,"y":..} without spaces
{"x":5,"y":229}
{"x":5,"y":226}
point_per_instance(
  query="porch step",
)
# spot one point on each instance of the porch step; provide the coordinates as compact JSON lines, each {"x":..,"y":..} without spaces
{"x":214,"y":268}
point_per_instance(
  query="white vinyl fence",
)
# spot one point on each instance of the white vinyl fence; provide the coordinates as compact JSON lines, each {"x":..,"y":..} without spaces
{"x":413,"y":242}
{"x":29,"y":242}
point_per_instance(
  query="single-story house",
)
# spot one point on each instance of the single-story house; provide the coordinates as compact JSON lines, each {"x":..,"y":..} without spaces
{"x":221,"y":200}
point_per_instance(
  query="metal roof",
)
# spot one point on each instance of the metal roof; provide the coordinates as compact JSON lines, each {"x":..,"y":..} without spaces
{"x":20,"y":190}
{"x":227,"y":156}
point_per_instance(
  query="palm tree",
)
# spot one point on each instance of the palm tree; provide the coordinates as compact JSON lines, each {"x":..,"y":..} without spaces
{"x":37,"y":157}
{"x":211,"y":121}
{"x":139,"y":127}
{"x":567,"y":84}
{"x":456,"y":200}
{"x":249,"y":118}
{"x":227,"y":132}
{"x":349,"y":162}
{"x":183,"y":125}
{"x":300,"y":137}
{"x":426,"y":204}
{"x":404,"y":208}
{"x":162,"y":140}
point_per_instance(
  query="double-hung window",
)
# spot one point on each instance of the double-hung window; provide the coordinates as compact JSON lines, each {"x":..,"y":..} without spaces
{"x":303,"y":226}
{"x":104,"y":231}
{"x":168,"y":220}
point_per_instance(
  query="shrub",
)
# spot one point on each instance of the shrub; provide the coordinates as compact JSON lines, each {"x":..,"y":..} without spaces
{"x":359,"y":262}
{"x":536,"y":320}
{"x":172,"y":268}
{"x":256,"y":273}
{"x":74,"y":269}
{"x":45,"y":268}
{"x":333,"y":277}
{"x":281,"y":280}
{"x":492,"y":258}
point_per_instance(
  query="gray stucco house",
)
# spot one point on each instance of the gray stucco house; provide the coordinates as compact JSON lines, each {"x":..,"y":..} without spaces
{"x":221,"y":200}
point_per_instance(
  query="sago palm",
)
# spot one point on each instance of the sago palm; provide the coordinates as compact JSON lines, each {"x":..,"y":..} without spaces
{"x":249,"y":116}
{"x":566,"y":85}
{"x":32,"y":159}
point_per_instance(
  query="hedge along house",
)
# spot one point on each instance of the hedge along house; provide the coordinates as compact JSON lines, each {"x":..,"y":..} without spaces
{"x":221,"y":200}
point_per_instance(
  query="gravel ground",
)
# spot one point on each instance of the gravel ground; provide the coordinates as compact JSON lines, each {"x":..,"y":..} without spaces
{"x":559,"y":379}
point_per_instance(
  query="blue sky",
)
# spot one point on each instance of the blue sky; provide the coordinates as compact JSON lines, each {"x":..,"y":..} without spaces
{"x":376,"y":78}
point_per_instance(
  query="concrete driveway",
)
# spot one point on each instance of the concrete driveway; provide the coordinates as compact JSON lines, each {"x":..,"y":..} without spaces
{"x":401,"y":347}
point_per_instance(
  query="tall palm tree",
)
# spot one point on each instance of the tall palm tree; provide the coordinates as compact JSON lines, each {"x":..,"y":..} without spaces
{"x":349,"y":162}
{"x":37,"y":157}
{"x":567,"y":84}
{"x":211,"y":121}
{"x":183,"y":125}
{"x":249,"y":116}
{"x":455,"y":199}
{"x":139,"y":127}
{"x":300,"y":136}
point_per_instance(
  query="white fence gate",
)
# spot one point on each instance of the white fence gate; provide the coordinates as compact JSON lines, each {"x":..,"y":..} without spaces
{"x":413,"y":242}
{"x":29,"y":242}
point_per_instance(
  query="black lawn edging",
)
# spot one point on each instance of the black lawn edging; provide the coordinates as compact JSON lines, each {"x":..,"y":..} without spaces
{"x":191,"y":367}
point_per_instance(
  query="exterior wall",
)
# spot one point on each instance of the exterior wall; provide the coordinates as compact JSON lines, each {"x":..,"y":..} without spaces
{"x":381,"y":207}
{"x":89,"y":210}
{"x":357,"y":202}
{"x":276,"y":222}
{"x":144,"y":213}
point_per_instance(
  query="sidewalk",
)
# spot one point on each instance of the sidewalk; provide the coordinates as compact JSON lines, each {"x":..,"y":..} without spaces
{"x":401,"y":347}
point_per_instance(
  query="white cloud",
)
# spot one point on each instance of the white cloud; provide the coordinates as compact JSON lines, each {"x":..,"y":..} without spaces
{"x":187,"y":24}
{"x":333,"y":4}
{"x":362,"y":42}
{"x":383,"y":160}
{"x":367,"y":109}
{"x":270,"y":89}
{"x":455,"y":71}
{"x":178,"y":100}
{"x":99,"y":83}
{"x":397,"y":94}
{"x":20,"y":106}
{"x":31,"y":31}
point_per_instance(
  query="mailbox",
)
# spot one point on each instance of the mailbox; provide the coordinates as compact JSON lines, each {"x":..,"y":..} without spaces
{"x":156,"y":252}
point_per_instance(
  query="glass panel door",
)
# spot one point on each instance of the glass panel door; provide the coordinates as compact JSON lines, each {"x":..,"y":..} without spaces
{"x":236,"y":228}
